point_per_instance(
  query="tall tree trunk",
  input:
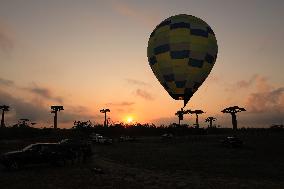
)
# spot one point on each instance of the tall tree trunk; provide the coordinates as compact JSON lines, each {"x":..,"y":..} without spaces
{"x":2,"y":120}
{"x":234,"y":121}
{"x":197,"y":124}
{"x":55,"y":120}
{"x":105,"y":122}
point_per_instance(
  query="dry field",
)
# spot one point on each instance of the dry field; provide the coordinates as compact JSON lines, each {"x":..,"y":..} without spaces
{"x":189,"y":162}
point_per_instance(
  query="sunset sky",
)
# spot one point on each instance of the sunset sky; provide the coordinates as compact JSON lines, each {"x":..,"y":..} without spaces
{"x":88,"y":55}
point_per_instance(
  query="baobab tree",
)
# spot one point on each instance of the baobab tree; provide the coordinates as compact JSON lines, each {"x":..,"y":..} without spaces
{"x":210,"y":120}
{"x":54,"y":110}
{"x":4,"y":109}
{"x":105,"y":112}
{"x":233,"y":110}
{"x":196,"y":112}
{"x":180,"y":114}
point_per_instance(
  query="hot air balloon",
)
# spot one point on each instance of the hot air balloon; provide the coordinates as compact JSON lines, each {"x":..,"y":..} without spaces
{"x":182,"y":51}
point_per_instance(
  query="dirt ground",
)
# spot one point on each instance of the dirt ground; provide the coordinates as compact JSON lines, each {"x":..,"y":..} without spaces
{"x":192,"y":162}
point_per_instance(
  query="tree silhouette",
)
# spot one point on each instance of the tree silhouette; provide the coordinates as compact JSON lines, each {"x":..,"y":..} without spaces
{"x":196,"y":112}
{"x":233,"y":110}
{"x":4,"y":109}
{"x":180,"y":114}
{"x":105,"y":112}
{"x":82,"y":124}
{"x":54,"y":110}
{"x":210,"y":120}
{"x":23,"y":123}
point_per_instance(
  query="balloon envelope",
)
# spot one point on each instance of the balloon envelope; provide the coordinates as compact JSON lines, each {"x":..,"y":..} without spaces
{"x":182,"y":51}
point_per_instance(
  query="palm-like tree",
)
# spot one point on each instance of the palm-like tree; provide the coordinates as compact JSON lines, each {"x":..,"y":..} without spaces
{"x":4,"y":109}
{"x":233,"y":110}
{"x":196,"y":112}
{"x":210,"y":120}
{"x":105,"y":112}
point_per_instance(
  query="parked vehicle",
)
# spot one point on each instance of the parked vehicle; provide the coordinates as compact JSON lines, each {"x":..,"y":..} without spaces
{"x":232,"y":141}
{"x":32,"y":154}
{"x":75,"y":149}
{"x":97,"y":138}
{"x":167,"y":136}
{"x":105,"y":140}
{"x":126,"y":138}
{"x":52,"y":153}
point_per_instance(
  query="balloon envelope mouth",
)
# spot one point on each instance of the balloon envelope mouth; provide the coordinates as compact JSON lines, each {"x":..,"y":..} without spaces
{"x":185,"y":98}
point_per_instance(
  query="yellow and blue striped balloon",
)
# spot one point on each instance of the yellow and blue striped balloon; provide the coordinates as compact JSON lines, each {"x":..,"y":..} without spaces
{"x":182,"y":51}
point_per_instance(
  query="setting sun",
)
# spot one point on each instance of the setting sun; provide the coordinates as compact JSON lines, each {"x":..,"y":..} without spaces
{"x":129,"y":119}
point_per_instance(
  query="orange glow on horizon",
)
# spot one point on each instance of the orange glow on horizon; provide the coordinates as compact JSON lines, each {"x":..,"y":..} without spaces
{"x":129,"y":119}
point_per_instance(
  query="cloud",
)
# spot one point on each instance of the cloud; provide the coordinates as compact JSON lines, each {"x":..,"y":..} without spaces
{"x":252,"y":119}
{"x":261,"y":119}
{"x":141,"y":92}
{"x":263,"y":85}
{"x":265,"y":106}
{"x":124,"y":103}
{"x":6,"y":41}
{"x":69,"y":115}
{"x":40,"y":112}
{"x":214,"y":78}
{"x":144,"y":94}
{"x":265,"y":97}
{"x":272,"y":100}
{"x":124,"y":106}
{"x":263,"y":101}
{"x":141,"y":16}
{"x":137,"y":82}
{"x":44,"y":93}
{"x":245,"y":84}
{"x":23,"y":109}
{"x":79,"y":113}
{"x":6,"y":82}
